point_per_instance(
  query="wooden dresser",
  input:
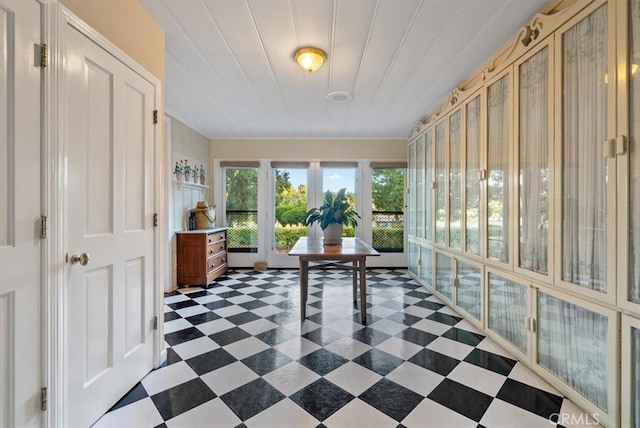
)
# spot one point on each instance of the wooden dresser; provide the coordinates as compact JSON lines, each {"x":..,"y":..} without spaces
{"x":202,"y":256}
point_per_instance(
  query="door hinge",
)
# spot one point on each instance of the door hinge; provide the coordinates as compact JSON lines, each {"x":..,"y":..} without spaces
{"x":155,"y":117}
{"x":155,"y":219}
{"x":155,"y":322}
{"x":43,"y":227}
{"x":44,"y":55}
{"x":43,"y":399}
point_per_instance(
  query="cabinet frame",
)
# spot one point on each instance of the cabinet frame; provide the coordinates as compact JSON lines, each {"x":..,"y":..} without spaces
{"x":628,"y":382}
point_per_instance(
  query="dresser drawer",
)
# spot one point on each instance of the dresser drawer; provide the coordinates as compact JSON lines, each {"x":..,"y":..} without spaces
{"x":216,"y":247}
{"x":215,"y":237}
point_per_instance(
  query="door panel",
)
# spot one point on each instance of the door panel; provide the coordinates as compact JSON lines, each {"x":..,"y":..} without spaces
{"x":109,"y":144}
{"x":20,"y":261}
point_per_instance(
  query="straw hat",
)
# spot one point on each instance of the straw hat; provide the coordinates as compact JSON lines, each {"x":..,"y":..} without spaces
{"x":202,"y":205}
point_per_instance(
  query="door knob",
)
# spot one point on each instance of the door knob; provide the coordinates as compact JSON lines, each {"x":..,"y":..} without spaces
{"x":83,"y":259}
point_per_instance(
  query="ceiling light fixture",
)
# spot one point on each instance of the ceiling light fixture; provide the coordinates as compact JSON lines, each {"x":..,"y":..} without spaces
{"x":310,"y":59}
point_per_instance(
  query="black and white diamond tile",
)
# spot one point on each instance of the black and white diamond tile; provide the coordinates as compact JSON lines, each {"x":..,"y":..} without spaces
{"x":238,"y":356}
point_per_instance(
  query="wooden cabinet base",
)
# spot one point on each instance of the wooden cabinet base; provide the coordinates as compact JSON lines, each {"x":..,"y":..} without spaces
{"x":202,"y":256}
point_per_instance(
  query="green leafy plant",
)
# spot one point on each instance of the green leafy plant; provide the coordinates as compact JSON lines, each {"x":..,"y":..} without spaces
{"x":334,"y":210}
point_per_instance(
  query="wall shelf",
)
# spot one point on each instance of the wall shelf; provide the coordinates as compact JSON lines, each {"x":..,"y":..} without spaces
{"x":190,"y":184}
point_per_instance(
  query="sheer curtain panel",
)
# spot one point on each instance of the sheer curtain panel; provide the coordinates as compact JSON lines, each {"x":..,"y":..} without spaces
{"x":472,"y":183}
{"x":508,"y":303}
{"x":440,"y":208}
{"x":455,"y":185}
{"x":584,"y":169}
{"x":498,"y":169}
{"x":428,"y":171}
{"x":634,"y":156}
{"x":534,"y":162}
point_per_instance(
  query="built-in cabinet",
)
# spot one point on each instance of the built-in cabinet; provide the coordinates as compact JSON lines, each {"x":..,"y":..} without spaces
{"x":526,"y":184}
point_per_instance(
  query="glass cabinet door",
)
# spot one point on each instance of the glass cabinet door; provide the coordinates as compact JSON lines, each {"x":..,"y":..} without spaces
{"x":508,"y":309}
{"x":498,"y":143}
{"x":440,"y":183}
{"x":469,"y":289}
{"x":631,"y":370}
{"x":473,"y":231}
{"x":584,"y":169}
{"x":444,"y":273}
{"x":419,"y":211}
{"x":426,"y":266}
{"x":533,"y":160}
{"x":574,"y":343}
{"x":455,"y":185}
{"x":428,"y":181}
{"x":629,"y":223}
{"x":411,"y":186}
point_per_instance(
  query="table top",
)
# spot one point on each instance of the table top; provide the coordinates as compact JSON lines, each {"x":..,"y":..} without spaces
{"x":351,"y":247}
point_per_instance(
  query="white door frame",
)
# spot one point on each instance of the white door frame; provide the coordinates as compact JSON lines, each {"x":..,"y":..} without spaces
{"x":54,"y":198}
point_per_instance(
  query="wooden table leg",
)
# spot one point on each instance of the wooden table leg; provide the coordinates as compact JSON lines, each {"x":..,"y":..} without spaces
{"x":304,"y":288}
{"x":363,"y":290}
{"x":354,"y":275}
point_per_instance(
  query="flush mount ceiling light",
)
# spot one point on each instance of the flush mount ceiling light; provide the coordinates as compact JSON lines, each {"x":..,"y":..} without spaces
{"x":339,"y":96}
{"x":310,"y":59}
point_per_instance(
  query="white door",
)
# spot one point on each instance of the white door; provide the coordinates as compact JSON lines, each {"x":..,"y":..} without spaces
{"x":109,"y":145}
{"x":20,"y":257}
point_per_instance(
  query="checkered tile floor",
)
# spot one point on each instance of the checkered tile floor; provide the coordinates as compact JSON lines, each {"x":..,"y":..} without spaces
{"x":239,"y":356}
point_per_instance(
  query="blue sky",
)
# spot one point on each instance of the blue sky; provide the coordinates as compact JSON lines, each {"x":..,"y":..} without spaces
{"x":333,"y":178}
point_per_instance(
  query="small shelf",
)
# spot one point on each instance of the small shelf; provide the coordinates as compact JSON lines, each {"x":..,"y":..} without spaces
{"x":191,"y":185}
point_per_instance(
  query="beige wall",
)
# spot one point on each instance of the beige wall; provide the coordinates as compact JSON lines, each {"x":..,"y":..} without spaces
{"x":309,"y":149}
{"x":127,"y":25}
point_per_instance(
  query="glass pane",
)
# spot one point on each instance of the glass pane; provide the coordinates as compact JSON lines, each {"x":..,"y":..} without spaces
{"x":440,"y":183}
{"x":428,"y":170}
{"x":472,"y":184}
{"x":635,"y":373}
{"x":387,"y":191}
{"x":584,"y":169}
{"x":634,"y":156}
{"x":573,"y":344}
{"x":241,"y":204}
{"x":469,"y":297}
{"x":455,"y":175}
{"x":411,"y":184}
{"x":426,"y":272}
{"x":414,"y":253}
{"x":334,"y":179}
{"x":444,"y":273}
{"x":290,"y":207}
{"x":508,"y":303}
{"x":420,"y":187}
{"x":534,"y":162}
{"x":498,"y":170}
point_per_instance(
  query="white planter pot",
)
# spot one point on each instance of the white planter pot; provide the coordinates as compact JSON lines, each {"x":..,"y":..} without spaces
{"x":333,"y":234}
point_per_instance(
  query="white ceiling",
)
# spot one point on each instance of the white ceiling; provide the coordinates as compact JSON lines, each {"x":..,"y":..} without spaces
{"x":230,"y":71}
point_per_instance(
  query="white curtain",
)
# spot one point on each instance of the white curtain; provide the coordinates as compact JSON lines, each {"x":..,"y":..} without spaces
{"x":584,"y":169}
{"x":428,"y":169}
{"x":573,"y":344}
{"x":635,"y":358}
{"x":444,"y":272}
{"x":469,"y":284}
{"x":534,"y":162}
{"x":455,"y":186}
{"x":420,"y":187}
{"x":411,"y":217}
{"x":634,"y":156}
{"x":426,"y":269}
{"x":472,"y":184}
{"x":508,"y":304}
{"x":440,"y":183}
{"x":498,"y":165}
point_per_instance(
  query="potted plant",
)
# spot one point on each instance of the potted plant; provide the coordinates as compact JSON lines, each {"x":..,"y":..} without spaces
{"x":332,"y":215}
{"x":178,"y":170}
{"x":186,"y":170}
{"x":202,"y":174}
